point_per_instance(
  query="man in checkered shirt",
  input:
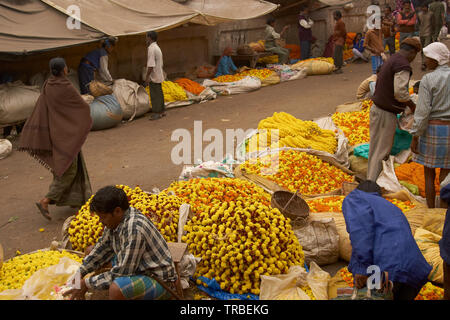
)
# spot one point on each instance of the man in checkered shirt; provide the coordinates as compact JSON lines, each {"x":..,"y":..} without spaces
{"x":137,"y":250}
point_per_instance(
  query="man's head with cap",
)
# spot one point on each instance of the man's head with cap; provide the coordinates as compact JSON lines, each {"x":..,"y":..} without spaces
{"x":437,"y":54}
{"x":410,"y":47}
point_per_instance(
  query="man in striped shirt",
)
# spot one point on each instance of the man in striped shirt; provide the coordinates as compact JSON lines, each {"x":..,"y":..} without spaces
{"x":137,"y":250}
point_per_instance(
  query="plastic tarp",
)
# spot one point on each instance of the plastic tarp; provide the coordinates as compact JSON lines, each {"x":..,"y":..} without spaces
{"x":212,"y":12}
{"x":335,"y":2}
{"x":32,"y":25}
{"x":127,"y":17}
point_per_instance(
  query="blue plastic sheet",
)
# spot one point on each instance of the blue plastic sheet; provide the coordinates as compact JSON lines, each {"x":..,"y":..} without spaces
{"x":213,"y":289}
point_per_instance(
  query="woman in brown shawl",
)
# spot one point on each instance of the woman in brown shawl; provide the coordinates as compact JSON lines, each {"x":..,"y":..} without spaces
{"x":54,"y":134}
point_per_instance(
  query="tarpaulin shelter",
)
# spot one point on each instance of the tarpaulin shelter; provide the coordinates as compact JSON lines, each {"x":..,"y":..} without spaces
{"x":30,"y":25}
{"x":37,"y":25}
{"x":212,"y":12}
{"x":335,"y":2}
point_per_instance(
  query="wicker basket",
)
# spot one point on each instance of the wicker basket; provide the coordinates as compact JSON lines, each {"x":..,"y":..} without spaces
{"x":99,"y":89}
{"x":298,"y":209}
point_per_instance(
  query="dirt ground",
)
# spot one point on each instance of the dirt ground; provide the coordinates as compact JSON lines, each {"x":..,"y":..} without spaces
{"x":138,"y":153}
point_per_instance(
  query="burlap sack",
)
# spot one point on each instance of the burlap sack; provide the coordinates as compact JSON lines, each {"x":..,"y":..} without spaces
{"x":320,"y":241}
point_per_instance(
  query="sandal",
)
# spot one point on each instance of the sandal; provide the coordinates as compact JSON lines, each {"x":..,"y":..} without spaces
{"x":44,"y":212}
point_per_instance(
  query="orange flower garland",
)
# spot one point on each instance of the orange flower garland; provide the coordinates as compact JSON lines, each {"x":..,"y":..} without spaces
{"x":413,"y":173}
{"x":191,"y":86}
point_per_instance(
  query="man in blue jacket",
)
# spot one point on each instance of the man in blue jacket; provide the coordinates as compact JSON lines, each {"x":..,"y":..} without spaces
{"x":380,"y":235}
{"x":444,"y":244}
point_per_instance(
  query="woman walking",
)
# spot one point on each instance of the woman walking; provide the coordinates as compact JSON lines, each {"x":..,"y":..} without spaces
{"x":431,"y":130}
{"x":54,"y":135}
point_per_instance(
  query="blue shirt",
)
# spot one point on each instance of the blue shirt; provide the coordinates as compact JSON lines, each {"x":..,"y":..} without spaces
{"x":94,"y":57}
{"x":444,"y":243}
{"x":226,"y":66}
{"x":380,"y":235}
{"x":359,"y":45}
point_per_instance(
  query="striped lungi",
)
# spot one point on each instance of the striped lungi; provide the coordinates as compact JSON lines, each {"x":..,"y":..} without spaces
{"x":141,"y":287}
{"x":434,"y":147}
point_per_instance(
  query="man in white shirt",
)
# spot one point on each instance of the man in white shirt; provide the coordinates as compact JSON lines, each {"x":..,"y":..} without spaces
{"x":155,"y":76}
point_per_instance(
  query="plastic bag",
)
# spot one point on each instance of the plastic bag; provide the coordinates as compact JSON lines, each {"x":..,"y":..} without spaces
{"x":320,"y":241}
{"x":209,"y":169}
{"x":188,"y":265}
{"x":228,"y":88}
{"x":406,"y":120}
{"x":287,"y":286}
{"x":41,"y":285}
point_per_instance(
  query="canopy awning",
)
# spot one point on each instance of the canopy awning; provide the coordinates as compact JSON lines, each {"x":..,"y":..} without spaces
{"x":31,"y":25}
{"x":212,"y":12}
{"x":127,"y":17}
{"x":38,"y":25}
{"x":335,"y":2}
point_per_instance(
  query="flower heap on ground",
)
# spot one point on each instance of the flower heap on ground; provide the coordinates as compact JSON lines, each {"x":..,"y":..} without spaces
{"x":191,"y":86}
{"x":17,"y":270}
{"x":292,"y":132}
{"x":172,"y":92}
{"x":413,"y":173}
{"x":334,"y":204}
{"x":300,"y":171}
{"x":259,"y":73}
{"x":428,"y":291}
{"x":355,"y":125}
{"x":236,"y":232}
{"x":85,"y":229}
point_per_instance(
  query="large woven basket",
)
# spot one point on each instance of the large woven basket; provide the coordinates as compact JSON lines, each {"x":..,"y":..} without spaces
{"x":99,"y":89}
{"x":297,"y":210}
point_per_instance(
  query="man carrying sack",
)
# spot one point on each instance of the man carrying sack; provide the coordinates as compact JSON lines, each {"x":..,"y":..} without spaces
{"x":391,"y":97}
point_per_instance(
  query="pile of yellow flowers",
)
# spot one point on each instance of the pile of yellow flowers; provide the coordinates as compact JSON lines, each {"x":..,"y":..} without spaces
{"x":85,"y":229}
{"x":292,"y":132}
{"x":259,"y":73}
{"x":334,"y":204}
{"x":17,"y":270}
{"x":355,"y":125}
{"x":430,"y":292}
{"x":172,"y":92}
{"x":300,"y":171}
{"x":236,"y":233}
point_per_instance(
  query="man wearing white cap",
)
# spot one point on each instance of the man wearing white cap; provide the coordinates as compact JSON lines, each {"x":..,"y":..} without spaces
{"x":431,"y":129}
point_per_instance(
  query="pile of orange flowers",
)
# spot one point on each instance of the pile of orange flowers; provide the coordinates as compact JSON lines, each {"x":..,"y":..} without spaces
{"x":413,"y":173}
{"x":300,"y":171}
{"x":334,"y":204}
{"x":191,"y":86}
{"x":259,"y":73}
{"x":347,"y":276}
{"x":355,"y":125}
{"x":428,"y":291}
